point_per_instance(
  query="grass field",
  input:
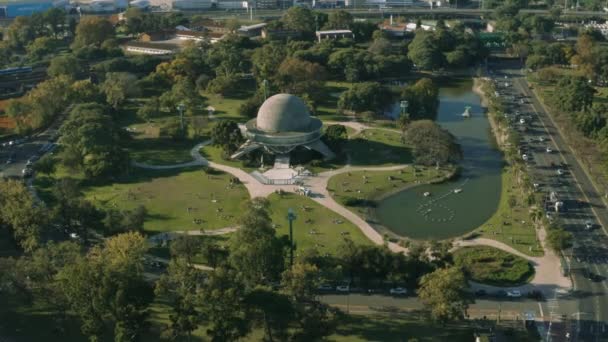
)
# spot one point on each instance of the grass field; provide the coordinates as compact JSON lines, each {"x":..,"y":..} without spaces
{"x":214,"y":154}
{"x":167,"y":195}
{"x":492,"y":266}
{"x":512,"y":226}
{"x":160,"y":151}
{"x":378,"y":147}
{"x":370,"y":185}
{"x":315,"y":226}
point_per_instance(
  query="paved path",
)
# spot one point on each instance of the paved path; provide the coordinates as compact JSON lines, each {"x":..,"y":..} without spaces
{"x":547,"y":278}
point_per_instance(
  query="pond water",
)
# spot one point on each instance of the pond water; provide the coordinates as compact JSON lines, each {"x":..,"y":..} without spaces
{"x":444,"y":213}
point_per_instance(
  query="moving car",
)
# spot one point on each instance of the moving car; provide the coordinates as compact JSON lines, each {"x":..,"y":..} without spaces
{"x":399,"y":291}
{"x":560,"y":172}
{"x":522,"y":121}
{"x":524,"y":157}
{"x":514,"y":294}
{"x":549,"y":150}
{"x":588,"y":225}
{"x":343,"y":288}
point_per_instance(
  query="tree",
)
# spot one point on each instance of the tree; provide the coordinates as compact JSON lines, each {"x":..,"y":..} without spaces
{"x":336,"y":136}
{"x":84,"y":91}
{"x":185,"y":247}
{"x":559,"y":239}
{"x":266,"y":58}
{"x":47,"y":164}
{"x":223,"y":85}
{"x":150,"y":109}
{"x":223,"y":302}
{"x":227,"y":135}
{"x":118,"y":86}
{"x":273,"y":310}
{"x":27,"y":222}
{"x":39,"y":48}
{"x":173,"y":129}
{"x":92,"y":30}
{"x":431,"y":144}
{"x":300,"y":77}
{"x":422,"y":99}
{"x":574,"y":94}
{"x":108,"y":286}
{"x":424,"y":51}
{"x":444,"y":293}
{"x":67,"y":65}
{"x":198,"y":124}
{"x":20,"y":32}
{"x":91,"y":142}
{"x":55,"y":19}
{"x":258,"y":252}
{"x":339,"y":20}
{"x":180,"y":286}
{"x":300,"y":19}
{"x":367,"y":96}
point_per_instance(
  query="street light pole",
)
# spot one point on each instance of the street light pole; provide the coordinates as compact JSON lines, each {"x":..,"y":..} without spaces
{"x":291,"y":216}
{"x":180,"y":108}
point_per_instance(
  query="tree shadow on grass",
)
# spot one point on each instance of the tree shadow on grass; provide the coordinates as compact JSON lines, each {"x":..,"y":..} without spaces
{"x":401,"y":327}
{"x":366,"y":152}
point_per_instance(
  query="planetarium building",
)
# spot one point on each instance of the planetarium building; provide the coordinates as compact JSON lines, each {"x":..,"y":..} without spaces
{"x":283,"y":123}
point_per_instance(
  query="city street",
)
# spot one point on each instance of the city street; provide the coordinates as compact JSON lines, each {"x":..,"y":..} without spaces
{"x":555,"y":170}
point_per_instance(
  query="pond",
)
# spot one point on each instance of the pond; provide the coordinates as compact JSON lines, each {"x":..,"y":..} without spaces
{"x":456,"y":207}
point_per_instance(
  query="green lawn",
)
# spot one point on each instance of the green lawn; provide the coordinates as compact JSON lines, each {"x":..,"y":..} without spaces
{"x":378,"y":148}
{"x":315,"y":226}
{"x":327,"y":106}
{"x":160,"y":151}
{"x":512,"y":226}
{"x":168,"y":194}
{"x":491,"y":266}
{"x":214,"y":154}
{"x":369,"y":185}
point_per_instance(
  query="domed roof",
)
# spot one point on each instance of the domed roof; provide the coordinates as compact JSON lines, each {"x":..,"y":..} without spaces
{"x":283,"y":113}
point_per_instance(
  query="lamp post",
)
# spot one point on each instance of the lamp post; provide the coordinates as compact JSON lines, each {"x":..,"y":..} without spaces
{"x":180,"y":108}
{"x":403,"y":105}
{"x":291,"y":216}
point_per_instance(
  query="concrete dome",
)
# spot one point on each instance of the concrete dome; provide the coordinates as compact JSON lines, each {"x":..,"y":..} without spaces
{"x":283,"y":113}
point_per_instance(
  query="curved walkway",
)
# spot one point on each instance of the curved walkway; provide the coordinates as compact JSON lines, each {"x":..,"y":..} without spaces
{"x":547,"y":279}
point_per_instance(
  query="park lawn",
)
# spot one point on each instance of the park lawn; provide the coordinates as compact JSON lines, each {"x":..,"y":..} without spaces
{"x":492,"y":266}
{"x":375,"y":147}
{"x":327,"y":106}
{"x":167,"y":195}
{"x":310,"y":216}
{"x":399,"y":327}
{"x":160,"y":151}
{"x":518,"y":232}
{"x":370,"y":185}
{"x":214,"y":154}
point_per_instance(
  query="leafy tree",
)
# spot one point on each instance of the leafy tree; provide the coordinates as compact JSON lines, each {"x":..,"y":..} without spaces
{"x":258,"y":253}
{"x":185,"y":247}
{"x":444,"y":293}
{"x":173,"y":129}
{"x":227,"y":134}
{"x":339,"y":20}
{"x":300,"y":77}
{"x":39,"y":48}
{"x":180,"y":286}
{"x":47,"y":164}
{"x":367,"y":96}
{"x":20,"y":32}
{"x":84,"y":91}
{"x":424,"y":51}
{"x":67,"y":65}
{"x":118,"y":222}
{"x":431,"y":144}
{"x":91,"y":142}
{"x":19,"y":214}
{"x":559,"y":239}
{"x":299,"y":19}
{"x":422,"y":98}
{"x":575,"y":94}
{"x":118,"y":86}
{"x":273,"y":310}
{"x":150,"y":109}
{"x":266,"y":58}
{"x":92,"y":30}
{"x":108,"y":286}
{"x":55,"y":19}
{"x":223,"y":302}
{"x":592,"y":121}
{"x":336,"y":136}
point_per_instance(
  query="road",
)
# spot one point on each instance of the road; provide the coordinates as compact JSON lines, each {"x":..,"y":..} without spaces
{"x":587,"y":260}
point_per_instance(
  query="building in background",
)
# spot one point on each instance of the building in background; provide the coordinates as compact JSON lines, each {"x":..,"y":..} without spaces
{"x":14,"y":8}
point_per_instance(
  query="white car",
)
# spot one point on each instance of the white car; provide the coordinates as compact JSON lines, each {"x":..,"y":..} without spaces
{"x":514,"y":294}
{"x":399,"y":291}
{"x":524,"y":157}
{"x":588,"y":225}
{"x":560,"y":172}
{"x":541,"y":139}
{"x":549,"y":150}
{"x":343,"y":288}
{"x":522,"y":121}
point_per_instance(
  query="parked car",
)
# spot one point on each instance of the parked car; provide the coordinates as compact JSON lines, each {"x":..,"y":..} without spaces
{"x":325,"y":287}
{"x":549,"y":150}
{"x":560,"y":172}
{"x":588,"y":225}
{"x":514,"y":294}
{"x":398,"y":291}
{"x":343,"y":288}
